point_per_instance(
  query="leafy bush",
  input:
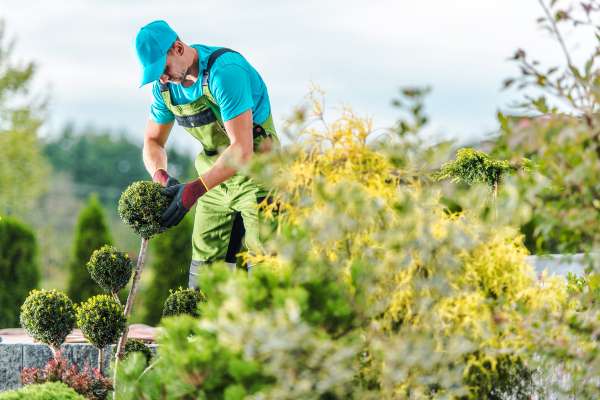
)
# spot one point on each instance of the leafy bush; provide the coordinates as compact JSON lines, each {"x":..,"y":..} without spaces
{"x":362,"y":265}
{"x":89,"y":382}
{"x":101,"y":320}
{"x":169,"y":263}
{"x":110,"y":268}
{"x":183,"y":301}
{"x":141,"y":206}
{"x":498,"y":378}
{"x":44,"y":391}
{"x":136,"y":346}
{"x":19,"y":270}
{"x":474,"y":166}
{"x":48,"y":316}
{"x":91,"y":233}
{"x":557,"y":129}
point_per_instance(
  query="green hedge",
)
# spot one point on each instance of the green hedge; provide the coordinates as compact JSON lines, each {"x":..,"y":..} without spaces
{"x":19,"y":271}
{"x":45,"y":391}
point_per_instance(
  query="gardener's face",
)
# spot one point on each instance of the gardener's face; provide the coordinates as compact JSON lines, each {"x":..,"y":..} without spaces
{"x":177,"y":66}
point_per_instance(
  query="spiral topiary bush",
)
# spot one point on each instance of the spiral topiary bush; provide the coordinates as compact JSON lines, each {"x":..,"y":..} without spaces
{"x":136,"y":346}
{"x":48,"y":316}
{"x":110,"y":268}
{"x":183,"y":301}
{"x":141,"y":206}
{"x":101,"y":320}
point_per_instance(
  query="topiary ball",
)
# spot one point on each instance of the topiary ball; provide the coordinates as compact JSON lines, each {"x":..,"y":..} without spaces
{"x":110,"y":268}
{"x":141,"y":206}
{"x":101,"y":320}
{"x":183,"y":301}
{"x":136,"y":345}
{"x":48,"y":316}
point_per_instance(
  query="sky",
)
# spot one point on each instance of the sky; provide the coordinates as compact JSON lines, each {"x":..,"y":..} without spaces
{"x":358,"y":52}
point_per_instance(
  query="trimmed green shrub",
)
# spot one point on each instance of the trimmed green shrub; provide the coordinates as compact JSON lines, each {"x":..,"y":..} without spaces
{"x":19,"y":271}
{"x":136,"y":346}
{"x":183,"y":301}
{"x":141,"y":206}
{"x":101,"y":320}
{"x":44,"y":391}
{"x":91,"y":233}
{"x":48,"y":316}
{"x":170,"y":260}
{"x":474,"y":166}
{"x":110,"y":268}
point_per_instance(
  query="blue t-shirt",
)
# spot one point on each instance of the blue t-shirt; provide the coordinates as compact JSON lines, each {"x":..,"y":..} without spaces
{"x":235,"y":85}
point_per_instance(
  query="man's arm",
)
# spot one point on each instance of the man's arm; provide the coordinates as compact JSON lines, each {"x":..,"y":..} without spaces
{"x":154,"y":154}
{"x":238,"y":153}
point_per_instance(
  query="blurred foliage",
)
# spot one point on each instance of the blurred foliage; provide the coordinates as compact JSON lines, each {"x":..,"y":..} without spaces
{"x":368,"y":289}
{"x":23,"y":169}
{"x":106,"y":162}
{"x":19,"y":268}
{"x":170,"y":257}
{"x":43,"y":391}
{"x":91,"y":234}
{"x":558,"y":129}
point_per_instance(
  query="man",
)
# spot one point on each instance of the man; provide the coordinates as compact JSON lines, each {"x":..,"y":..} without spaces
{"x":222,"y":101}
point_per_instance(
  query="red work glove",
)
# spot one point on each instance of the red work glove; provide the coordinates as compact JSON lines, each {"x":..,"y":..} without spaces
{"x":183,"y":197}
{"x":161,"y":176}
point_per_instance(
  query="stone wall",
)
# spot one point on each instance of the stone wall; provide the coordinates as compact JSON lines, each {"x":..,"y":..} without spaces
{"x":15,"y":356}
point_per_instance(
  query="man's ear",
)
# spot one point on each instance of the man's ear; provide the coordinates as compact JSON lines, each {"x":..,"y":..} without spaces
{"x":178,"y":47}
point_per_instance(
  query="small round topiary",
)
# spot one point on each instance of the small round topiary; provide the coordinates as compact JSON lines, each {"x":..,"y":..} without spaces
{"x":110,"y":268}
{"x":183,"y":301}
{"x":136,"y":345}
{"x":141,"y":206}
{"x":101,"y":320}
{"x":48,"y":316}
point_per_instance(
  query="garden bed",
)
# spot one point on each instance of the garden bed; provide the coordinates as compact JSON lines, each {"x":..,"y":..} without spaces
{"x":18,"y":351}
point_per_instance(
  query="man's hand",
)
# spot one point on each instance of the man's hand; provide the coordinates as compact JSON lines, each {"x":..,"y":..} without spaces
{"x":183,"y":197}
{"x":161,"y":176}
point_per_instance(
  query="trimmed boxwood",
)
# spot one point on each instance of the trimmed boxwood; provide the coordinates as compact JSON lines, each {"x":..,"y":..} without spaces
{"x":136,"y":346}
{"x":110,"y":268}
{"x":101,"y":320}
{"x":48,"y":316}
{"x":141,"y":205}
{"x":44,"y":391}
{"x":183,"y":301}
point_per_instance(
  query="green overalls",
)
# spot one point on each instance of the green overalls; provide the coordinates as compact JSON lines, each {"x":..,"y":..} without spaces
{"x":229,"y":211}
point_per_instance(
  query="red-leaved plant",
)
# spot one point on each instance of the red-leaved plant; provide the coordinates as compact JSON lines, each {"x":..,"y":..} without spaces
{"x":90,"y":382}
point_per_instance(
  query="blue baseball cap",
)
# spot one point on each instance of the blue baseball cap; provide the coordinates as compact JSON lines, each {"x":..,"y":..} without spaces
{"x":152,"y":43}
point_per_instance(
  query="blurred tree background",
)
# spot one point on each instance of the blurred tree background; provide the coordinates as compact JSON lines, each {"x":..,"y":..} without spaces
{"x":46,"y":180}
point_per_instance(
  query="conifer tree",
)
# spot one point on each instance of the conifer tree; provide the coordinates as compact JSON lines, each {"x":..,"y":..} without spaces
{"x":91,"y":233}
{"x":19,"y":271}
